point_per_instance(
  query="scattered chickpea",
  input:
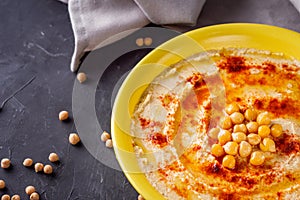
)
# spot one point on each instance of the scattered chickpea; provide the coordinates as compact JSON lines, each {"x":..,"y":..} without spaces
{"x":53,"y":157}
{"x":237,"y":118}
{"x":231,"y":108}
{"x":38,"y":167}
{"x":5,"y":163}
{"x":264,"y":131}
{"x":245,"y":149}
{"x":253,"y":139}
{"x":2,"y":184}
{"x":250,"y":114}
{"x":231,"y":148}
{"x":29,"y":189}
{"x":213,"y":133}
{"x":224,"y":137}
{"x":16,"y":197}
{"x":28,"y":162}
{"x":63,"y":115}
{"x":140,"y":197}
{"x":105,"y":136}
{"x":276,"y":130}
{"x":109,"y":143}
{"x":74,"y":138}
{"x":263,"y":119}
{"x":226,"y":123}
{"x":148,"y":41}
{"x":217,"y":150}
{"x":139,"y":42}
{"x":48,"y":169}
{"x":239,"y":137}
{"x":252,"y":127}
{"x":81,"y":77}
{"x":34,"y":196}
{"x":257,"y":158}
{"x":240,"y":128}
{"x":267,"y":145}
{"x":229,"y":161}
{"x":5,"y":197}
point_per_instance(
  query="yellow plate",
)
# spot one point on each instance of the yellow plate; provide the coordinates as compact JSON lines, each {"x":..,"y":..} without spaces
{"x":238,"y":35}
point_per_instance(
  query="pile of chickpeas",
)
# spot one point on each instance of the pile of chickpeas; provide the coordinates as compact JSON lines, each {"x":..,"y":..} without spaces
{"x":247,"y":135}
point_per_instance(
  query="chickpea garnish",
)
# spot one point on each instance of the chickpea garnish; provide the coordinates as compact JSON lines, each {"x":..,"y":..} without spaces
{"x":15,"y":197}
{"x":229,"y":161}
{"x":29,"y":189}
{"x":48,"y":169}
{"x":109,"y":143}
{"x":257,"y":158}
{"x":276,"y":130}
{"x":81,"y":77}
{"x":5,"y":197}
{"x":245,"y":149}
{"x":2,"y":184}
{"x":105,"y":136}
{"x":140,"y":197}
{"x":231,"y":108}
{"x":231,"y":148}
{"x":5,"y":163}
{"x":148,"y":41}
{"x":263,"y":119}
{"x":53,"y":157}
{"x":63,"y":115}
{"x":267,"y":145}
{"x":250,"y":114}
{"x":240,"y":128}
{"x":213,"y":133}
{"x":238,"y":137}
{"x":217,"y":150}
{"x":226,"y":123}
{"x":252,"y":127}
{"x":237,"y":118}
{"x":264,"y":131}
{"x":224,"y":137}
{"x":253,"y":139}
{"x":28,"y":162}
{"x":74,"y":138}
{"x":34,"y":196}
{"x":139,"y":42}
{"x":38,"y":167}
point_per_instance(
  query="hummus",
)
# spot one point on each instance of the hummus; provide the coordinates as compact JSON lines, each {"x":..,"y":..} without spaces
{"x":170,"y":126}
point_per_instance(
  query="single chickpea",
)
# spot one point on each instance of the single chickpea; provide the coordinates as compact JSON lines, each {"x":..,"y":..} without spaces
{"x":63,"y":115}
{"x":237,"y":118}
{"x":148,"y":41}
{"x":5,"y":163}
{"x":253,"y":139}
{"x":81,"y":77}
{"x":139,"y":42}
{"x":74,"y":138}
{"x":213,"y":133}
{"x":245,"y":149}
{"x":231,"y":148}
{"x":48,"y":169}
{"x":140,"y":197}
{"x":263,"y":119}
{"x":226,"y":123}
{"x":257,"y":158}
{"x":267,"y":145}
{"x":276,"y":130}
{"x":53,"y":157}
{"x":105,"y":136}
{"x":38,"y":167}
{"x":28,"y":162}
{"x":16,"y":197}
{"x":250,"y":114}
{"x":217,"y":150}
{"x":252,"y":127}
{"x":240,"y":128}
{"x":264,"y":131}
{"x":224,"y":137}
{"x":238,"y":137}
{"x":109,"y":143}
{"x":5,"y":197}
{"x":229,"y":162}
{"x":34,"y":196}
{"x":2,"y":184}
{"x":29,"y":189}
{"x":231,"y":108}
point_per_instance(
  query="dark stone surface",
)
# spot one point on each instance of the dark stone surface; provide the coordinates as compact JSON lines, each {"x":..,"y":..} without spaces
{"x":36,"y":40}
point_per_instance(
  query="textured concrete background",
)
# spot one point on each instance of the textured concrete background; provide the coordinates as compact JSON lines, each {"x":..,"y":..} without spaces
{"x":36,"y":40}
